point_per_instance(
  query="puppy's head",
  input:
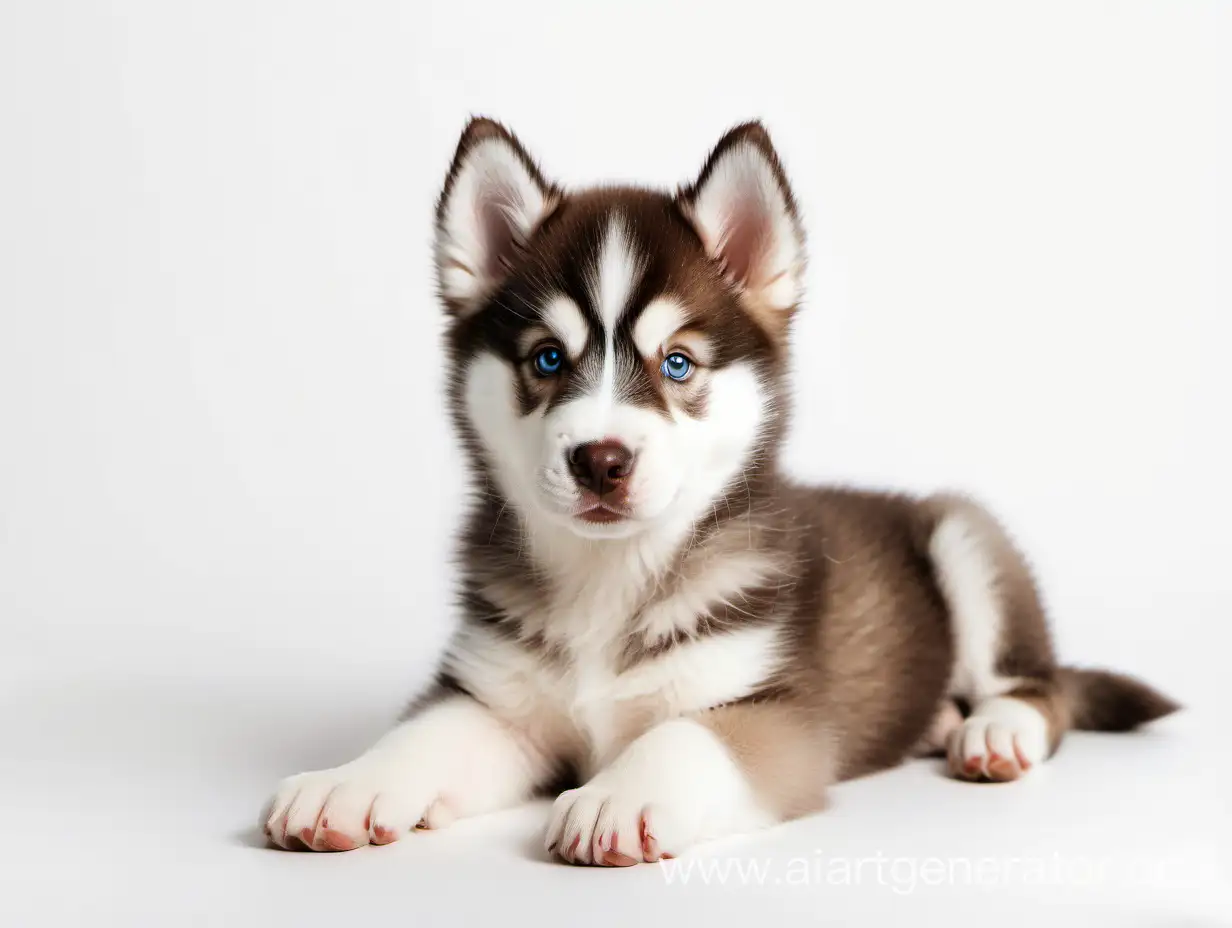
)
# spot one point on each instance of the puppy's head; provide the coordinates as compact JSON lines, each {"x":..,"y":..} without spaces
{"x":617,"y":352}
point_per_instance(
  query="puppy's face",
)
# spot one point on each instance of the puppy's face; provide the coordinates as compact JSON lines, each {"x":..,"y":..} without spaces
{"x":618,"y":351}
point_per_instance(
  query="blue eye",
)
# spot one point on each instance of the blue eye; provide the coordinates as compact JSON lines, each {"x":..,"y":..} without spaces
{"x":548,"y":361}
{"x":677,"y":366}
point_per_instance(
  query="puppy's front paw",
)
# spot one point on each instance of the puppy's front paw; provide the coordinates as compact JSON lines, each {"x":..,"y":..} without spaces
{"x":614,"y":827}
{"x":365,"y":802}
{"x":594,"y":826}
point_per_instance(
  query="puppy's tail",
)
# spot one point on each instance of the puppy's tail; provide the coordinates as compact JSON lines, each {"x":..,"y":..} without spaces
{"x":1099,"y":700}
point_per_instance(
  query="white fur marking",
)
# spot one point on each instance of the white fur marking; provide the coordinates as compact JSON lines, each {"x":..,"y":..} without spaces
{"x":658,"y":322}
{"x":491,"y":409}
{"x":566,"y":321}
{"x":616,"y":274}
{"x":968,"y":577}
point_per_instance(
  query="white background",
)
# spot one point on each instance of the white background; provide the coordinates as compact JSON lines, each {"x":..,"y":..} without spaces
{"x":227,"y":484}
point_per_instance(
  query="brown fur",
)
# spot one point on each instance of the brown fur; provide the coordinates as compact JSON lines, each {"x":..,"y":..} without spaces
{"x":786,"y":751}
{"x":1099,"y":700}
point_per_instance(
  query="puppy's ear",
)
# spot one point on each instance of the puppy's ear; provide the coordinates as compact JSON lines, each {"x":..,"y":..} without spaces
{"x":494,"y":197}
{"x":744,"y":212}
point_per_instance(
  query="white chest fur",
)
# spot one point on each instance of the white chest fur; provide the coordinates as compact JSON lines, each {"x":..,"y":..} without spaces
{"x":578,"y":703}
{"x":565,"y":678}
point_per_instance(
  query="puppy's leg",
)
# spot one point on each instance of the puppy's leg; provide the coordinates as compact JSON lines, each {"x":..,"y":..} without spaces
{"x":1004,"y":666}
{"x":730,"y":770}
{"x":452,"y":758}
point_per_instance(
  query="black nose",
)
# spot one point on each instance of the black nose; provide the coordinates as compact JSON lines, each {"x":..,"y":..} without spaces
{"x":601,"y":466}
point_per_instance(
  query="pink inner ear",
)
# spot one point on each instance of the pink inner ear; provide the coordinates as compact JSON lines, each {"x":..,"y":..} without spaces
{"x":496,"y":228}
{"x":746,"y":235}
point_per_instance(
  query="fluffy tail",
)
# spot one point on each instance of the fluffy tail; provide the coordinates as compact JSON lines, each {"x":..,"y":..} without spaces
{"x":1102,"y":701}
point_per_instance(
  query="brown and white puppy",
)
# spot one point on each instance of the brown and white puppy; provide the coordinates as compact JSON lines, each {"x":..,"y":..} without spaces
{"x":649,"y":608}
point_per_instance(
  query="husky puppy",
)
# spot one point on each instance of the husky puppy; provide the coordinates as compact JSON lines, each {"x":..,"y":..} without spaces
{"x":650,"y":611}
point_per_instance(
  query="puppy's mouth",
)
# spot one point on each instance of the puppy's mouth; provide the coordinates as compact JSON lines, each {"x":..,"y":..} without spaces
{"x":594,"y":509}
{"x":601,"y":514}
{"x":605,"y":513}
